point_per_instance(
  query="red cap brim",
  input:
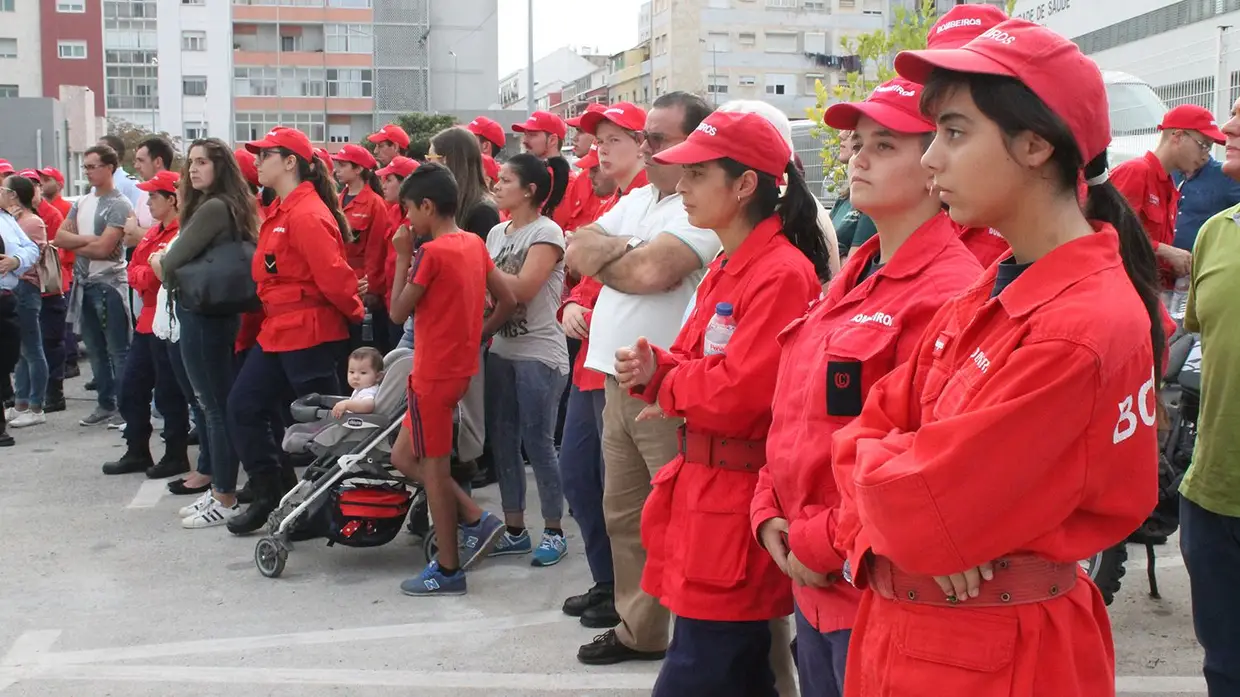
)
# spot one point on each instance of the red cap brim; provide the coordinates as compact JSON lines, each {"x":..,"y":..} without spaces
{"x":590,"y":161}
{"x":687,"y":153}
{"x":844,"y":117}
{"x":575,"y":122}
{"x":1214,"y":134}
{"x":257,"y":146}
{"x":916,"y":66}
{"x":522,"y":128}
{"x":379,"y":137}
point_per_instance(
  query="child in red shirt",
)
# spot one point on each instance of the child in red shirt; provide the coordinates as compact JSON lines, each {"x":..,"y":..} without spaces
{"x":447,"y":280}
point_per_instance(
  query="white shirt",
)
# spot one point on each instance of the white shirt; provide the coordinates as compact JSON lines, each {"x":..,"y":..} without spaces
{"x":619,"y":318}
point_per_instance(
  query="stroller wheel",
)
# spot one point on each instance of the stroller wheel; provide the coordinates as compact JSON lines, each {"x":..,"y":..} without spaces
{"x":270,"y":556}
{"x":429,"y":548}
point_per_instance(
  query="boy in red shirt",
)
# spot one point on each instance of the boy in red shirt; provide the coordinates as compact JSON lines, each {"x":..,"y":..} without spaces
{"x":447,"y":281}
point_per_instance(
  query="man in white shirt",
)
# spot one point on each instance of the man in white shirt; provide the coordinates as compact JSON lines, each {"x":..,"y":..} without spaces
{"x":650,"y":260}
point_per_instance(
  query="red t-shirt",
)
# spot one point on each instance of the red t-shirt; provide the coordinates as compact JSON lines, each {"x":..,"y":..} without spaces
{"x":447,"y":322}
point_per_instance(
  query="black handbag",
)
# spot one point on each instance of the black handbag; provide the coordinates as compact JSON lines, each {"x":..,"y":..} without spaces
{"x":219,"y":281}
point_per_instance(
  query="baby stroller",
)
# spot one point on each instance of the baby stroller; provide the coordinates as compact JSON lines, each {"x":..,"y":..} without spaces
{"x":351,"y":494}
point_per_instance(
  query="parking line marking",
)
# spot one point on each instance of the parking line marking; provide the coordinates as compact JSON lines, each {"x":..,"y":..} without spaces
{"x":149,"y":494}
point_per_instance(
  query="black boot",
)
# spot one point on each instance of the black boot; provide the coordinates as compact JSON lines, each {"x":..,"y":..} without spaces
{"x":578,"y":604}
{"x":55,"y":400}
{"x":72,"y":371}
{"x":6,"y":441}
{"x":175,"y":460}
{"x":602,"y":615}
{"x":268,"y":488}
{"x":137,"y":458}
{"x":245,"y":494}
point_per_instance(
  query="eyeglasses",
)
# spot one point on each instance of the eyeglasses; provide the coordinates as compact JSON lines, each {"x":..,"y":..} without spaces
{"x":264,"y":154}
{"x":433,"y":157}
{"x":1204,"y":145}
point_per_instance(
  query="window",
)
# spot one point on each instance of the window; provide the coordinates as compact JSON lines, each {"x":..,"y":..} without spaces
{"x":717,"y":84}
{"x":195,"y":86}
{"x":193,"y":41}
{"x":782,"y":4}
{"x":339,"y":133}
{"x":717,"y":41}
{"x":67,"y":6}
{"x":75,"y":50}
{"x":781,"y":42}
{"x":817,"y":5}
{"x":845,"y":4}
{"x":8,"y":91}
{"x":193,"y":2}
{"x":194,"y":130}
{"x":747,"y":81}
{"x":255,"y":82}
{"x":816,"y":42}
{"x":290,"y":43}
{"x":779,"y":85}
{"x":811,"y":82}
{"x":131,"y":79}
{"x":747,"y":38}
{"x":252,"y":125}
{"x":350,"y":82}
{"x":357,"y":4}
{"x":301,"y":82}
{"x":349,"y":38}
{"x":8,"y":6}
{"x":8,"y":48}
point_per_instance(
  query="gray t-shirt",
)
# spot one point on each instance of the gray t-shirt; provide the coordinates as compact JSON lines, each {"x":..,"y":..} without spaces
{"x":92,"y":214}
{"x":532,"y":333}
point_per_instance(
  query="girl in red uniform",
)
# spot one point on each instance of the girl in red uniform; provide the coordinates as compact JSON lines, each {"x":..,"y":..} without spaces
{"x":366,"y":211}
{"x":392,"y":176}
{"x":310,"y":296}
{"x":1021,"y":435}
{"x":869,"y":321}
{"x":702,"y":562}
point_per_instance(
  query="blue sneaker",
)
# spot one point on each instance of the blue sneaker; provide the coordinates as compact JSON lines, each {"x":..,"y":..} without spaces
{"x":550,"y":551}
{"x":511,"y":544}
{"x":478,"y":540}
{"x":432,"y":581}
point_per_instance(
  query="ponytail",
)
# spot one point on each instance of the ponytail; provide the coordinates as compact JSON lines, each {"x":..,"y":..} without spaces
{"x":315,"y":173}
{"x":372,"y":180}
{"x":798,"y":213}
{"x":549,"y":178}
{"x":1105,"y":203}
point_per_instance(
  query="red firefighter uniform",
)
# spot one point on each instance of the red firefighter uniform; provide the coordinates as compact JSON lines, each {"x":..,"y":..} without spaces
{"x":702,"y":563}
{"x":251,"y":322}
{"x":830,"y":358}
{"x":396,"y":218}
{"x":986,"y":244}
{"x":1154,"y":197}
{"x":308,"y":290}
{"x":369,"y":228}
{"x":580,"y":206}
{"x":1022,"y":432}
{"x":142,"y":278}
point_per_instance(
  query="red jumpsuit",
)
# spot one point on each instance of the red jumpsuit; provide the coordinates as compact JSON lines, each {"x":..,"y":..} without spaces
{"x":701,"y":562}
{"x":829,"y":360}
{"x":142,"y":277}
{"x":986,"y":244}
{"x":1023,"y":428}
{"x":1152,"y":193}
{"x":369,"y":223}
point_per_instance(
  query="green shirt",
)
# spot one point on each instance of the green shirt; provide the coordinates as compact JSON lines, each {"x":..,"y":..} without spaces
{"x":852,"y":227}
{"x":1213,"y":480}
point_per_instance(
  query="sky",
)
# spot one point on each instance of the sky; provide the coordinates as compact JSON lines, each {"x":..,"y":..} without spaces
{"x":564,"y":23}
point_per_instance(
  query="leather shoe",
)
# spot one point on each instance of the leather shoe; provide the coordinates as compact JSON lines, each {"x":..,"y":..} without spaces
{"x":606,"y":650}
{"x":578,"y":604}
{"x":601,"y":616}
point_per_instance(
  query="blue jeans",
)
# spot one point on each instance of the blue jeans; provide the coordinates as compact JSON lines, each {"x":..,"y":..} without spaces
{"x":820,"y":658}
{"x":581,"y":467}
{"x":720,"y":659}
{"x":1210,"y":543}
{"x":30,"y":386}
{"x":207,"y":352}
{"x":177,"y":364}
{"x":105,"y":328}
{"x":522,"y":399}
{"x":406,"y":335}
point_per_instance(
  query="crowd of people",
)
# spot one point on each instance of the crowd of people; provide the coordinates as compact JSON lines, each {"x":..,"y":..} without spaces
{"x":749,"y":416}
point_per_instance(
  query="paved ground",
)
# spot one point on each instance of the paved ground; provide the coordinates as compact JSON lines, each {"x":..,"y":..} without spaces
{"x":102,"y":593}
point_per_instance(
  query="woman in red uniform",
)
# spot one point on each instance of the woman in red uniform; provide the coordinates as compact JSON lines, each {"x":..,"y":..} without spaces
{"x":869,"y":321}
{"x":1021,"y":436}
{"x":392,"y":176}
{"x":310,"y":297}
{"x":366,"y":211}
{"x":702,"y":562}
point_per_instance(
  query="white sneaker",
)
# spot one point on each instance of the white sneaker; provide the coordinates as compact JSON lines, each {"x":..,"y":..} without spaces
{"x":213,"y":514}
{"x":12,"y":413}
{"x":199,"y":504}
{"x":28,"y":418}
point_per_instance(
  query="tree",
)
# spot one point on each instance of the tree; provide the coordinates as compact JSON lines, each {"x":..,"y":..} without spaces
{"x":132,"y":135}
{"x":421,"y":128}
{"x":876,"y":52}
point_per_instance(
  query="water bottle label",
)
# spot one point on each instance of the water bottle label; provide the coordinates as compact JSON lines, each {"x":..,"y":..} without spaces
{"x":711,"y":348}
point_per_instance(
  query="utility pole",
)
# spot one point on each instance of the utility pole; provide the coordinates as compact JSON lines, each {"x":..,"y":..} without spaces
{"x":1222,"y":91}
{"x":529,"y":67}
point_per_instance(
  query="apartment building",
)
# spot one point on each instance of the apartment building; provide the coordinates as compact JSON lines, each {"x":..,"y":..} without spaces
{"x":773,"y":50}
{"x":553,"y":73}
{"x":21,"y":59}
{"x":629,"y":80}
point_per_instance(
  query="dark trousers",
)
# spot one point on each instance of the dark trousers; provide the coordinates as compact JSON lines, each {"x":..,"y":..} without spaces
{"x":148,"y":370}
{"x":720,"y":659}
{"x":581,"y":470}
{"x":177,"y":364}
{"x":52,"y":322}
{"x":820,"y":658}
{"x":1210,"y":544}
{"x":71,"y":338}
{"x":574,"y":345}
{"x":207,"y":353}
{"x":266,"y":385}
{"x":10,"y":339}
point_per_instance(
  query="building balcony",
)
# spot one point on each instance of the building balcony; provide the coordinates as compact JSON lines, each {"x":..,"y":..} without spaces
{"x":330,"y":105}
{"x":309,"y":59}
{"x":301,"y":15}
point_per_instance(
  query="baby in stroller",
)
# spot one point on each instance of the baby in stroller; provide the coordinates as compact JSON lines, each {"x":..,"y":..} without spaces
{"x":365,"y":372}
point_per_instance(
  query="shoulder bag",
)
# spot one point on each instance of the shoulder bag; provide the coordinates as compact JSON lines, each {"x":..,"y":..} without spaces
{"x":219,"y":281}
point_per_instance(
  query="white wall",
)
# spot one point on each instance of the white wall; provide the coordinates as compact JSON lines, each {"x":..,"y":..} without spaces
{"x":25,"y":71}
{"x":469,"y":82}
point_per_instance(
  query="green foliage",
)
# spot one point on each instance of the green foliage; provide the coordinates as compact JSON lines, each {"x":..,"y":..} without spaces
{"x":421,"y":128}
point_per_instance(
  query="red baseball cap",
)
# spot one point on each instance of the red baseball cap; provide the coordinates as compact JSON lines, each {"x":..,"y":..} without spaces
{"x":963,"y":23}
{"x":1190,"y":117}
{"x":6,"y":167}
{"x":326,"y":156}
{"x":590,"y":161}
{"x":249,"y":167}
{"x":29,"y":174}
{"x":543,"y":122}
{"x":491,"y":167}
{"x":575,"y":122}
{"x":164,"y":181}
{"x":1051,"y":67}
{"x":290,"y":139}
{"x":357,"y":155}
{"x":747,"y":138}
{"x":391,"y":133}
{"x":895,"y":104}
{"x":53,"y":173}
{"x":400,"y":165}
{"x":492,"y":131}
{"x":626,"y":115}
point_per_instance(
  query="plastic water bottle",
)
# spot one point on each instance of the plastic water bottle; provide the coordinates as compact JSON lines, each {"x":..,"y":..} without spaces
{"x":1179,"y":298}
{"x":719,"y":331}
